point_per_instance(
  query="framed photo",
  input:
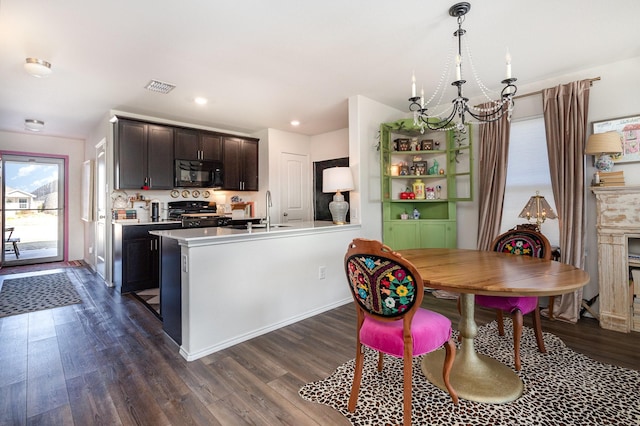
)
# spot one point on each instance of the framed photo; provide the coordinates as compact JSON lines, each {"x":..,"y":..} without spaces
{"x":629,"y":130}
{"x":427,"y":145}
{"x":420,"y":167}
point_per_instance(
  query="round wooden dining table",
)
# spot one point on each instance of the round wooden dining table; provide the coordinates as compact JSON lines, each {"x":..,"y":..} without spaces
{"x":474,"y":376}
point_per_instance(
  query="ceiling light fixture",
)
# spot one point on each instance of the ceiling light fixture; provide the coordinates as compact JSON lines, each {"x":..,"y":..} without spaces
{"x":33,"y":125}
{"x":295,"y":123}
{"x":37,"y":67}
{"x":200,"y":100}
{"x":444,"y":120}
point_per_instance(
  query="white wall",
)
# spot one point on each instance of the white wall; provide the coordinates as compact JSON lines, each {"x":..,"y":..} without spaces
{"x":74,"y":149}
{"x":328,"y":146}
{"x":365,"y":117}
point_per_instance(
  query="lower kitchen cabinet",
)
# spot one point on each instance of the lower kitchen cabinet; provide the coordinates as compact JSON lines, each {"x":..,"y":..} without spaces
{"x":136,"y":256}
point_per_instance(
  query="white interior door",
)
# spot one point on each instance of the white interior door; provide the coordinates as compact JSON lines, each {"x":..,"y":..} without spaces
{"x":101,"y":210}
{"x":295,"y":196}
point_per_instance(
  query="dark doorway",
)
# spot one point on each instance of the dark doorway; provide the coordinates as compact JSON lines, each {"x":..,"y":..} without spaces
{"x":321,"y":200}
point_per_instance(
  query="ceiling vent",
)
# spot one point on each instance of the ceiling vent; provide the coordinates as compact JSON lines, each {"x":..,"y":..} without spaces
{"x":159,"y":86}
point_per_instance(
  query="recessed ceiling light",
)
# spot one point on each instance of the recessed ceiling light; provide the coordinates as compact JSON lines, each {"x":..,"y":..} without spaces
{"x":295,"y":123}
{"x":200,"y":100}
{"x":33,"y":125}
{"x":37,"y":67}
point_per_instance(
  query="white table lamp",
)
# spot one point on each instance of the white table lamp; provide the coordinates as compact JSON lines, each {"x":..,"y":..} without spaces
{"x":336,"y":179}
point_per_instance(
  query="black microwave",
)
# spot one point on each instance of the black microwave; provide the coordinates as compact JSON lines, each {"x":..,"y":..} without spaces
{"x":198,"y":173}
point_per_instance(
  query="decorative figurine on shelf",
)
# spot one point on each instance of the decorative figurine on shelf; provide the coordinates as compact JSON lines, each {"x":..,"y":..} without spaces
{"x":416,"y":214}
{"x":441,"y":171}
{"x":436,"y":145}
{"x":430,"y":194}
{"x":414,"y":145}
{"x":404,"y":216}
{"x":433,"y":170}
{"x":404,"y":169}
{"x":438,"y":191}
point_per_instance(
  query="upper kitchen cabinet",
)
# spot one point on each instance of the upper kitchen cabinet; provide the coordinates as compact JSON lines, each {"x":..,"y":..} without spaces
{"x":197,"y":145}
{"x":143,"y":155}
{"x":240,"y":159}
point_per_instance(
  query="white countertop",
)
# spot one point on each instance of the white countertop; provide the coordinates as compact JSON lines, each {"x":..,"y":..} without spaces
{"x":193,"y":237}
{"x":128,"y":222}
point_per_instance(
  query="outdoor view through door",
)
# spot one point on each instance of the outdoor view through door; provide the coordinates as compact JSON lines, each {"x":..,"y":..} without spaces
{"x":32,"y":209}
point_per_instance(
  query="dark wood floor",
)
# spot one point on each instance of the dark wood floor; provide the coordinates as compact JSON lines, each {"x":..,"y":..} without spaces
{"x":107,"y":361}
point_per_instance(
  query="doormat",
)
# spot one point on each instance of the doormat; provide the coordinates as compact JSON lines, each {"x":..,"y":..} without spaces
{"x":31,"y":294}
{"x":561,"y":387}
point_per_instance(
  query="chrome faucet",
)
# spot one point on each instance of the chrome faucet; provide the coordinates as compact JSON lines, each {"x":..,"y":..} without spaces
{"x":268,"y":204}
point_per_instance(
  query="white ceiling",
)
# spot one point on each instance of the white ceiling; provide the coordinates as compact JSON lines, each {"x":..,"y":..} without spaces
{"x":263,"y":63}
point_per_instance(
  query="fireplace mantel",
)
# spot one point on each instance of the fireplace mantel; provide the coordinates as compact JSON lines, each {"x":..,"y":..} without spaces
{"x":618,"y":218}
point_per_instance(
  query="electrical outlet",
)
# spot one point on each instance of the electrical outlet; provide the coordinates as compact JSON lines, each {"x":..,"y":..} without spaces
{"x":322,"y":272}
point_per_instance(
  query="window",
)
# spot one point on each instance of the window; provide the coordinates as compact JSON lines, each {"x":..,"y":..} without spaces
{"x":528,"y":172}
{"x":22,"y":203}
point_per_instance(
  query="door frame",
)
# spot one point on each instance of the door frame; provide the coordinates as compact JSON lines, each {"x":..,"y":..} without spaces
{"x":65,"y":219}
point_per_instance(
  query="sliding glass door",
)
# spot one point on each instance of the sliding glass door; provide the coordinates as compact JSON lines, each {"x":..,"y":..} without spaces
{"x":32,"y":209}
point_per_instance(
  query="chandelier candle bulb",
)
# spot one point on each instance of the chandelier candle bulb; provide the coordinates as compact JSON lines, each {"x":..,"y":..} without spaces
{"x":458,"y":73}
{"x":508,"y":59}
{"x":413,"y":85}
{"x":422,"y":98}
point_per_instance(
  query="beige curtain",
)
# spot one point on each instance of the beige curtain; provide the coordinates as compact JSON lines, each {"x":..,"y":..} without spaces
{"x":565,"y":116}
{"x":493,"y":147}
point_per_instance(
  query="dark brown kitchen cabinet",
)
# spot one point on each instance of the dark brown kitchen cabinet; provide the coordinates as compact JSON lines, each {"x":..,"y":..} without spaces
{"x":143,"y":155}
{"x":136,"y":256}
{"x":197,"y":145}
{"x":240,"y":161}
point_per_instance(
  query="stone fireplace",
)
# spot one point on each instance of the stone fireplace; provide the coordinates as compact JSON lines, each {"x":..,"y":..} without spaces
{"x":618,"y":221}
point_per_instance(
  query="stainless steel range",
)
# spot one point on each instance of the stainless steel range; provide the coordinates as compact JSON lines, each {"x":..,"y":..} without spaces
{"x":196,"y":214}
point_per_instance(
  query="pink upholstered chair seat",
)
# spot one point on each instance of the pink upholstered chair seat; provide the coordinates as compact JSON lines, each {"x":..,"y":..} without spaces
{"x":508,"y":304}
{"x":429,"y":330}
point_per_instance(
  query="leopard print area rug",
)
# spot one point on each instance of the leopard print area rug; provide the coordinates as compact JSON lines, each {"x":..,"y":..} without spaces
{"x":35,"y":293}
{"x":561,"y":387}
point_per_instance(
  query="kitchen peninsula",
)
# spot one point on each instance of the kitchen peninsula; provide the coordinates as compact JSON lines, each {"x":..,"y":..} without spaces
{"x":236,"y":284}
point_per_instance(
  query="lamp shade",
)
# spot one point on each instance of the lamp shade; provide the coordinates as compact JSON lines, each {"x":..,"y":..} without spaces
{"x":335,"y":179}
{"x":604,"y":143}
{"x":538,"y":209}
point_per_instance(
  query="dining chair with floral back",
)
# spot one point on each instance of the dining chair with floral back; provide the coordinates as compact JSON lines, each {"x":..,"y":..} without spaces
{"x":387,"y":291}
{"x":525,"y":241}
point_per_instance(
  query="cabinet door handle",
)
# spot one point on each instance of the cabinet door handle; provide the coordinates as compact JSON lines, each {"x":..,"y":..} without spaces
{"x":151,"y":245}
{"x":150,"y":184}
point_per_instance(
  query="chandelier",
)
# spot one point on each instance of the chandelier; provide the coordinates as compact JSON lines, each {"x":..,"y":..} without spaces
{"x":446,"y":118}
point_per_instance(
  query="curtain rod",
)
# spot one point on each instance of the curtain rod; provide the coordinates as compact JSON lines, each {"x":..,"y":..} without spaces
{"x":537,"y":92}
